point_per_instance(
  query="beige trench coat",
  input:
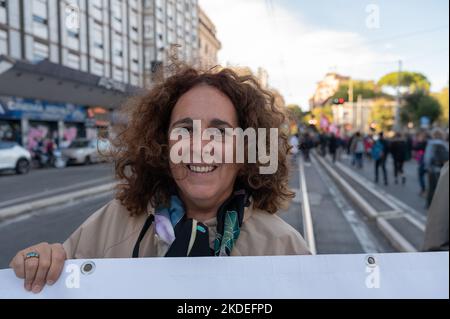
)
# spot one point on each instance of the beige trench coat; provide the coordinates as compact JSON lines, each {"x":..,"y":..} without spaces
{"x":436,"y":234}
{"x":112,"y":233}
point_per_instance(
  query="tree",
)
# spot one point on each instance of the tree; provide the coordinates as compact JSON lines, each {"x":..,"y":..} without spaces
{"x":314,"y":116}
{"x":295,"y":111}
{"x":410,"y":81}
{"x":419,"y":104}
{"x":442,"y":97}
{"x":382,"y":115}
{"x":367,"y":89}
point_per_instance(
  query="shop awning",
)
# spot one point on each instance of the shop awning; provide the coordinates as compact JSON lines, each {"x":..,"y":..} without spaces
{"x":54,"y":82}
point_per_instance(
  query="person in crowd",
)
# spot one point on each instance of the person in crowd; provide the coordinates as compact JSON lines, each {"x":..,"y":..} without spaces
{"x":398,"y":149}
{"x":436,"y":155}
{"x":419,"y":146}
{"x":333,"y":144}
{"x":379,"y":153}
{"x":323,"y":144}
{"x":409,"y":147}
{"x":368,"y":143}
{"x":164,"y":208}
{"x":357,"y":150}
{"x":306,"y":145}
{"x":294,"y":142}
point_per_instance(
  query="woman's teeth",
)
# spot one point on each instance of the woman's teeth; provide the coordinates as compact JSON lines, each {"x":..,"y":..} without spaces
{"x":201,"y":169}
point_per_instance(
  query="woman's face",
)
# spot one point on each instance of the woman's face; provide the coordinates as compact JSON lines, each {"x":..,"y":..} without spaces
{"x":200,"y":183}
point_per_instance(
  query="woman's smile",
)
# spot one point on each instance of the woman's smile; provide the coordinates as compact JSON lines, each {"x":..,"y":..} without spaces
{"x":201,"y":169}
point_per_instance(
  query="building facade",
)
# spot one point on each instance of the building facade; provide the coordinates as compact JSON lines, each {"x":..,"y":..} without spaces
{"x":101,"y":37}
{"x":85,"y":57}
{"x":169,"y":24}
{"x":326,"y":88}
{"x":208,"y":44}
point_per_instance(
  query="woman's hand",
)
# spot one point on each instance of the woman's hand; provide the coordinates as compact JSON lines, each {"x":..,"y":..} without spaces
{"x":38,"y":271}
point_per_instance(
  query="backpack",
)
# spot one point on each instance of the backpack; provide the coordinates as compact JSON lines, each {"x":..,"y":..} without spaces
{"x":359,"y":147}
{"x":440,"y":155}
{"x":377,"y":150}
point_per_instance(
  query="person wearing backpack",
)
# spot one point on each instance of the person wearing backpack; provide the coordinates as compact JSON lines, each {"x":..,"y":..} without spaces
{"x":379,"y":152}
{"x":436,"y":155}
{"x":357,"y":149}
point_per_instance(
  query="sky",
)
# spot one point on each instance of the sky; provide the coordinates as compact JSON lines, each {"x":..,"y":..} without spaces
{"x":299,"y":41}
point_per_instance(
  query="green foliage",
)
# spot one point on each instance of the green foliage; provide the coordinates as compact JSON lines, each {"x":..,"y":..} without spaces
{"x":418,"y":104}
{"x":412,"y":80}
{"x":382,"y":114}
{"x":295,"y":111}
{"x":442,"y":97}
{"x":367,"y":89}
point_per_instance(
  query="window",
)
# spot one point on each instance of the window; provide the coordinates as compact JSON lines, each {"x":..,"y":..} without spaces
{"x":73,"y":39}
{"x":134,"y":56}
{"x":40,"y":51}
{"x":97,"y":9}
{"x":98,"y":68}
{"x":116,"y":9}
{"x":73,"y":61}
{"x":118,"y":74}
{"x":134,"y":79}
{"x":40,"y":18}
{"x":97,"y":41}
{"x":3,"y":42}
{"x":3,"y":11}
{"x":117,"y":49}
{"x":134,"y":20}
{"x":133,"y":4}
{"x":148,"y":28}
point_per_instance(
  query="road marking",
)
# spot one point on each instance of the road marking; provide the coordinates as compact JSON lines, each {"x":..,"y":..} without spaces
{"x":414,"y":216}
{"x":351,"y":192}
{"x":21,"y":200}
{"x":362,"y":232}
{"x":13,"y":211}
{"x":307,"y":219}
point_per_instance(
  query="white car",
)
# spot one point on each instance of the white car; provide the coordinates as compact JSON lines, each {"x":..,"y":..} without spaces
{"x":14,"y":157}
{"x":84,"y":151}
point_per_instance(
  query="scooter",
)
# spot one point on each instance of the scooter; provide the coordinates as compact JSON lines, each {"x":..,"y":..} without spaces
{"x":43,"y":160}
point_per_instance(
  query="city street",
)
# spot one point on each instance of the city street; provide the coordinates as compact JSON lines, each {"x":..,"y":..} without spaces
{"x":186,"y":97}
{"x":339,"y":226}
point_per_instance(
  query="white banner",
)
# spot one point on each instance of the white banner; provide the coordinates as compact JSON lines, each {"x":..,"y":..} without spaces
{"x":396,"y":275}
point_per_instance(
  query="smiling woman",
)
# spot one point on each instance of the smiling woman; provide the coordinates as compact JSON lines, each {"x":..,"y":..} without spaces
{"x":164,"y":208}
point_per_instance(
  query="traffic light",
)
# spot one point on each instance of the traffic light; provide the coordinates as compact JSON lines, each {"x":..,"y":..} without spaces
{"x":339,"y":101}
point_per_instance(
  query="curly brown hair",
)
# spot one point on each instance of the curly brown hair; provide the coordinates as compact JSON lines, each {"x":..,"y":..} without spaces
{"x":141,"y":152}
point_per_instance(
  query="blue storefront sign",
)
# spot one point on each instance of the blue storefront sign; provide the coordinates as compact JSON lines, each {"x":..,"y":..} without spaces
{"x":13,"y":108}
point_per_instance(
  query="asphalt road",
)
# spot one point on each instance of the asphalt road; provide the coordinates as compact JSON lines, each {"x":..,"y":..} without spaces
{"x":42,"y":183}
{"x":407,"y":193}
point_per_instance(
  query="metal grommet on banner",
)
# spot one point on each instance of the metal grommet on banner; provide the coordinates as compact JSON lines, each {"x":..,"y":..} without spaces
{"x":371,"y":261}
{"x":87,"y":268}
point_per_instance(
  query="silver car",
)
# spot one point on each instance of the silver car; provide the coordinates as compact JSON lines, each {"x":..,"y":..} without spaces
{"x":84,"y":151}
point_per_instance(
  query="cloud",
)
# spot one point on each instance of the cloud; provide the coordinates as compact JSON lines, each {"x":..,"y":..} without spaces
{"x":295,"y":55}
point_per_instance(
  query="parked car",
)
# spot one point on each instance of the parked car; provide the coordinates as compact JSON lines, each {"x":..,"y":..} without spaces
{"x":84,"y":151}
{"x":14,"y":157}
